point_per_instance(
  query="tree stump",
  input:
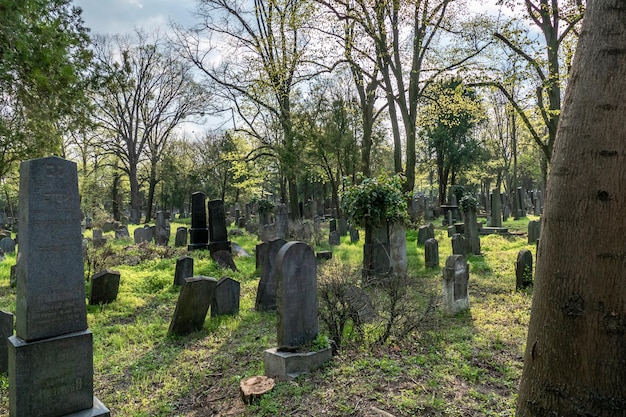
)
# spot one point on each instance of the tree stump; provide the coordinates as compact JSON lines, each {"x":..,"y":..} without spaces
{"x":251,"y":389}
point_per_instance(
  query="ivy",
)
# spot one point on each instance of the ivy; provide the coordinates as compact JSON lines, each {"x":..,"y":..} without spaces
{"x":375,"y":200}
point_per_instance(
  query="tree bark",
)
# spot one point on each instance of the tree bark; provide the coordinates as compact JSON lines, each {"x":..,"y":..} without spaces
{"x":575,"y":360}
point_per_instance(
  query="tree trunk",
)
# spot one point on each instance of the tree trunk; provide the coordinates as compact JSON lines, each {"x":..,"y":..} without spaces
{"x":152,"y":183}
{"x":135,"y":200}
{"x":575,"y":360}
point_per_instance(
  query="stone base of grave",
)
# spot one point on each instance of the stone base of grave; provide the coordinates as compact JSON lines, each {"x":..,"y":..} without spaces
{"x":53,"y":377}
{"x":287,"y":366}
{"x":490,"y":230}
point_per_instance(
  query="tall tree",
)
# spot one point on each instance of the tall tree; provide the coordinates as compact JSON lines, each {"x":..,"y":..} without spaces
{"x":575,"y":357}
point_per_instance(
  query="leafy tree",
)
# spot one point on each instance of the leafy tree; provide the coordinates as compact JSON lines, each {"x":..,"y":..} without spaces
{"x":575,"y":351}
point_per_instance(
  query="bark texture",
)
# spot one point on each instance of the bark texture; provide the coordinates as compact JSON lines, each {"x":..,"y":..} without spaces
{"x":575,"y":360}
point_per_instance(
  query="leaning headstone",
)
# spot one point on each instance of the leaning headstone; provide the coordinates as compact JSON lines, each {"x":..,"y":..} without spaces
{"x":184,"y":269}
{"x":52,"y":344}
{"x":534,"y":231}
{"x":524,"y":270}
{"x":199,"y":232}
{"x":460,"y":245}
{"x":431,"y":253}
{"x":334,"y":238}
{"x":6,"y":331}
{"x":226,"y":300}
{"x":218,"y":236}
{"x":193,"y":303}
{"x":104,"y":287}
{"x":455,"y":284}
{"x":266,"y":291}
{"x":162,"y":230}
{"x":7,"y":245}
{"x":180,"y":239}
{"x":260,"y":253}
{"x":282,"y":221}
{"x":354,"y":235}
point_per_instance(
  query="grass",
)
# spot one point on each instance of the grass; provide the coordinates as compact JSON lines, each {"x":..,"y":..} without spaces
{"x":464,"y":365}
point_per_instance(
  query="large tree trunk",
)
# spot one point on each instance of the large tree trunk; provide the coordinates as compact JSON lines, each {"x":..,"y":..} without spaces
{"x":575,"y":361}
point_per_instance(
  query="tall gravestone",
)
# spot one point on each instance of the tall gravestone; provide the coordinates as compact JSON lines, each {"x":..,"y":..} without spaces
{"x":218,"y":236}
{"x":524,"y":270}
{"x":51,"y":354}
{"x":162,"y":235}
{"x":471,"y":230}
{"x":266,"y":291}
{"x":534,"y":231}
{"x":376,"y":253}
{"x":431,"y":253}
{"x":282,"y":221}
{"x":496,"y":208}
{"x":455,"y":284}
{"x":199,"y":232}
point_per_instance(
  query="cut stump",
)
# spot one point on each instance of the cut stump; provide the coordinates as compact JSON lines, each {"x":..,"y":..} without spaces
{"x":251,"y":389}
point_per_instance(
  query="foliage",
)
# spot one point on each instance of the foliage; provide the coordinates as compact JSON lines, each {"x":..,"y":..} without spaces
{"x":468,"y":202}
{"x":263,"y":205}
{"x":375,"y":200}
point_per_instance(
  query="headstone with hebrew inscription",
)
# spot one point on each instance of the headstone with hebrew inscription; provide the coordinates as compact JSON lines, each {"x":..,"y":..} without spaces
{"x":51,"y":353}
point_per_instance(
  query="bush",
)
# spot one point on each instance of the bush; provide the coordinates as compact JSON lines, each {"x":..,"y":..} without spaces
{"x":375,"y":201}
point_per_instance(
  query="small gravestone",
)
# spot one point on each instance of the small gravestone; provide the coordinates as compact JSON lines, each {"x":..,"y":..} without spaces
{"x":266,"y":291}
{"x":455,"y":284}
{"x":7,"y":245}
{"x":334,"y":238}
{"x":460,"y":245}
{"x":180,"y":239}
{"x":122,"y":233}
{"x":354,"y":235}
{"x":282,"y":221}
{"x":218,"y":236}
{"x":98,"y":238}
{"x":324,"y":255}
{"x":6,"y":331}
{"x":199,"y":232}
{"x":142,"y":235}
{"x":524,"y":270}
{"x":104,"y":287}
{"x":431,"y":253}
{"x":534,"y":231}
{"x":226,"y":300}
{"x":162,"y":229}
{"x":193,"y":303}
{"x":424,"y":233}
{"x":184,"y":269}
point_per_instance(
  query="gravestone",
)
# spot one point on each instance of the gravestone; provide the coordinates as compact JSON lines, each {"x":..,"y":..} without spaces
{"x":354,"y":235}
{"x":282,"y":222}
{"x":122,"y":233}
{"x":7,"y":245}
{"x":431,"y":253}
{"x":460,"y":245}
{"x":266,"y":291}
{"x":521,"y":205}
{"x":455,"y":284}
{"x":104,"y":287}
{"x":343,"y":227}
{"x":260,"y":252}
{"x":496,"y":208}
{"x":13,"y":276}
{"x":184,"y":269}
{"x":332,"y":225}
{"x":397,"y":248}
{"x":534,"y":231}
{"x":218,"y":236}
{"x":142,"y":234}
{"x":162,"y":230}
{"x":471,"y":230}
{"x":180,"y":239}
{"x":199,"y":232}
{"x":51,"y":353}
{"x":296,"y":295}
{"x":424,"y":233}
{"x":6,"y":331}
{"x":524,"y":270}
{"x":194,"y":300}
{"x":376,"y":253}
{"x":334,"y":238}
{"x":226,"y":300}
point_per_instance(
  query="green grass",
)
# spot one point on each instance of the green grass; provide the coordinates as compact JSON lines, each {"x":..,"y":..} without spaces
{"x":464,"y":365}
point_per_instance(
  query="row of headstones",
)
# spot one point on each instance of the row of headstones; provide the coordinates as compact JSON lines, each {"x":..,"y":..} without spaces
{"x":335,"y":233}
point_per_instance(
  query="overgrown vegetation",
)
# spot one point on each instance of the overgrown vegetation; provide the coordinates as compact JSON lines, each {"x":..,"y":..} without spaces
{"x":409,"y":359}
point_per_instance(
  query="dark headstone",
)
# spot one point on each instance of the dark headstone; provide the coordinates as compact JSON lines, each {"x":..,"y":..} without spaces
{"x":226,"y":300}
{"x":224,"y":259}
{"x":13,"y":276}
{"x":496,"y":208}
{"x":260,"y":255}
{"x":424,"y":233}
{"x":184,"y":269}
{"x":6,"y":331}
{"x":7,"y":245}
{"x":354,"y":235}
{"x":334,"y":238}
{"x":180,"y":240}
{"x":282,"y":221}
{"x":104,"y":287}
{"x":455,"y":284}
{"x":218,"y":236}
{"x":266,"y":291}
{"x":343,"y":227}
{"x":534,"y":231}
{"x":194,"y":300}
{"x":199,"y":232}
{"x":460,"y":245}
{"x":332,"y":225}
{"x":471,"y":231}
{"x":524,"y":270}
{"x":296,"y":295}
{"x":376,"y":254}
{"x":431,"y":253}
{"x":142,"y":234}
{"x":324,"y":255}
{"x":162,"y":229}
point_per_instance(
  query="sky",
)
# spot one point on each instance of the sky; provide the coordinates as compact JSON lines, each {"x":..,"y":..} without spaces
{"x":122,"y":16}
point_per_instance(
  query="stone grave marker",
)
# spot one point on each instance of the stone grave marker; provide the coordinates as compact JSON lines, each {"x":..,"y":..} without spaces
{"x":334,"y":238}
{"x":218,"y":236}
{"x":332,"y":225}
{"x":104,"y":287}
{"x":122,"y":233}
{"x":431,"y":253}
{"x":424,"y":233}
{"x":282,"y":221}
{"x":162,"y":231}
{"x":455,"y":284}
{"x":524,"y":270}
{"x":180,"y":239}
{"x":184,"y":269}
{"x":343,"y":227}
{"x":142,"y":234}
{"x":260,"y":253}
{"x":193,"y":303}
{"x":496,"y":208}
{"x":199,"y":232}
{"x":51,"y":341}
{"x":7,"y":245}
{"x":460,"y":245}
{"x":226,"y":300}
{"x":266,"y":291}
{"x":13,"y":276}
{"x":534,"y":231}
{"x":6,"y":331}
{"x":354,"y":235}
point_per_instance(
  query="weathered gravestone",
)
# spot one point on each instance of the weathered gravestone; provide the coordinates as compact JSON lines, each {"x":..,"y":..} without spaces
{"x":496,"y":208}
{"x":226,"y":300}
{"x":397,"y":248}
{"x":334,"y":239}
{"x":376,"y":253}
{"x":342,"y":227}
{"x":6,"y":331}
{"x":184,"y":269}
{"x":534,"y":231}
{"x":354,"y":235}
{"x":455,"y":284}
{"x":282,"y":221}
{"x":218,"y":236}
{"x":51,"y":354}
{"x":524,"y":270}
{"x":460,"y":245}
{"x":431,"y":253}
{"x":424,"y":233}
{"x":471,"y":230}
{"x":297,"y":314}
{"x":122,"y":233}
{"x":142,"y":234}
{"x":104,"y":287}
{"x":260,"y":252}
{"x":199,"y":232}
{"x":7,"y":245}
{"x":162,"y":231}
{"x":180,"y":239}
{"x":98,"y":238}
{"x":266,"y":291}
{"x":193,"y":303}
